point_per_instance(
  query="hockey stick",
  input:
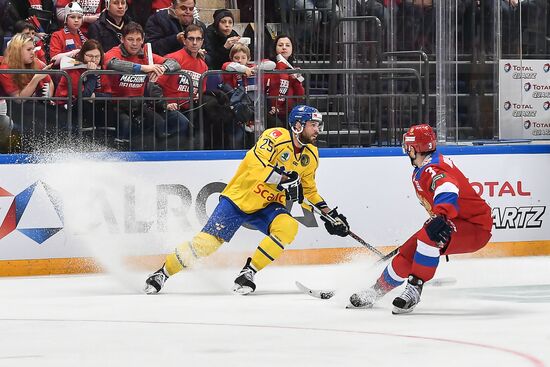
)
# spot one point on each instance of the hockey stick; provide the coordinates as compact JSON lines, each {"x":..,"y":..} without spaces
{"x":329,"y":293}
{"x":350,"y":233}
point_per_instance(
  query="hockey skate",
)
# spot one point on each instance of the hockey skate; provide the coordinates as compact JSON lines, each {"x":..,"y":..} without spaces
{"x":155,"y":282}
{"x":244,"y":284}
{"x":366,"y":298}
{"x":410,"y":297}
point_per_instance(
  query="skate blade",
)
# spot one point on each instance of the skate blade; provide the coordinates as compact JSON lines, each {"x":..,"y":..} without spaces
{"x":149,"y":289}
{"x":242,"y":290}
{"x":352,"y":307}
{"x":401,"y":311}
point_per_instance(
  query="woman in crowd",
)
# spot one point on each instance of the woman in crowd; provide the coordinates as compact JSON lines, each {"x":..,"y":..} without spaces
{"x":220,"y":37}
{"x":284,"y":90}
{"x":32,"y":117}
{"x":94,"y":113}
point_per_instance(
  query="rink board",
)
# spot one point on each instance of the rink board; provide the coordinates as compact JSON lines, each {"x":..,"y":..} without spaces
{"x":58,"y":213}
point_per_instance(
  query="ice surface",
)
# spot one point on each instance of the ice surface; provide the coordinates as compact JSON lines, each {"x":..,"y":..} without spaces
{"x":495,"y":315}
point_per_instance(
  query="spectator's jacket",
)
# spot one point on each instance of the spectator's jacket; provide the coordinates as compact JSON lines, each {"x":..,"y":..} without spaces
{"x":178,"y":86}
{"x":64,"y":41}
{"x":131,"y":84}
{"x":9,"y":88}
{"x":103,"y":31}
{"x":216,"y":54}
{"x":98,"y":84}
{"x":286,"y":87}
{"x":162,"y":29}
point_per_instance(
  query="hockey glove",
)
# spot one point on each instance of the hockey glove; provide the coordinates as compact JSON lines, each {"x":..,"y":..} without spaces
{"x":439,"y":230}
{"x":293,"y":187}
{"x":338,"y":226}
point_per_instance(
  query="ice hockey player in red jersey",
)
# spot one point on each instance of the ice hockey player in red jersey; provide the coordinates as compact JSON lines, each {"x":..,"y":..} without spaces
{"x":460,"y":222}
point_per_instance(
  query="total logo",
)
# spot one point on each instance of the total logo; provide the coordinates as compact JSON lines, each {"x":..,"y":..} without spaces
{"x":546,"y":68}
{"x":546,"y":105}
{"x":35,"y":212}
{"x":507,"y":67}
{"x":526,"y":124}
{"x":527,"y":87}
{"x":507,"y":105}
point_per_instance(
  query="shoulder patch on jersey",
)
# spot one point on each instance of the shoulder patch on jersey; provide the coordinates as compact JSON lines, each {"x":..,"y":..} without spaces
{"x":304,"y":160}
{"x":276,"y":133}
{"x":435,"y":179}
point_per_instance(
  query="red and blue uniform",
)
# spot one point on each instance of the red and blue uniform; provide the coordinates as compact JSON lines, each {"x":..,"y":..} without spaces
{"x":443,"y":190}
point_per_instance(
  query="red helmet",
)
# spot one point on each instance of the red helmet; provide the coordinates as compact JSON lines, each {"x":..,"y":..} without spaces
{"x":420,"y":137}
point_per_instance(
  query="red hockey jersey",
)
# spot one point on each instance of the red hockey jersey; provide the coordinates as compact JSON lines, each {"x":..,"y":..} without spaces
{"x":129,"y":85}
{"x":443,"y":189}
{"x":178,"y":86}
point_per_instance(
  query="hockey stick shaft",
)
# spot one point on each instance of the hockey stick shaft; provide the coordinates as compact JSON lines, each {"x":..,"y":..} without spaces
{"x":350,"y":233}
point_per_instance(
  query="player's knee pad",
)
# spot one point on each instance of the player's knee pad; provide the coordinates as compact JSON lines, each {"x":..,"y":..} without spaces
{"x":284,"y":228}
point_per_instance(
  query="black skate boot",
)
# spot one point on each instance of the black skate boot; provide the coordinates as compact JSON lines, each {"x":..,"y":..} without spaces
{"x":244,"y":284}
{"x":410,"y":297}
{"x":156,"y":281}
{"x":367,"y":298}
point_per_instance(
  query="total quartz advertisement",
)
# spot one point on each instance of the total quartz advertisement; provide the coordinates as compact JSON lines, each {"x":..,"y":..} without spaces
{"x":524,"y":99}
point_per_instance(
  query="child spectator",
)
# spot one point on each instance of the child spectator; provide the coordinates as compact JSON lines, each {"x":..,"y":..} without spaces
{"x":91,"y":11}
{"x":90,"y":57}
{"x":220,"y":37}
{"x":241,"y":87}
{"x":287,"y":88}
{"x":27,"y":28}
{"x":67,"y":41}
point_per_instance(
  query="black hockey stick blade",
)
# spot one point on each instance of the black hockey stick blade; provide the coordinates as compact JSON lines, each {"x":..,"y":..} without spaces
{"x":322,"y":294}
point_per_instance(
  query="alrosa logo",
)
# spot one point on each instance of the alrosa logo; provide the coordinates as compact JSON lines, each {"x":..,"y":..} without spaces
{"x":15,"y":211}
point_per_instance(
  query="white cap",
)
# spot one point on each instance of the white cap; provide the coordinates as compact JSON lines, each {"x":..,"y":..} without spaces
{"x":73,"y":8}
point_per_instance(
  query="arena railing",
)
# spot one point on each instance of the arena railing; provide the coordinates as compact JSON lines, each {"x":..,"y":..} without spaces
{"x":100,"y":119}
{"x":352,"y":117}
{"x":37,"y":123}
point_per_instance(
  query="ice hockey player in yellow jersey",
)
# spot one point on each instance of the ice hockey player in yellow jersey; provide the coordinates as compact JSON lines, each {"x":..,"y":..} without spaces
{"x":280,"y":167}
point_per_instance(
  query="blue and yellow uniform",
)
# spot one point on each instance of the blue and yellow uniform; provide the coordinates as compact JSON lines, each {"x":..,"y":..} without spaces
{"x":254,"y":196}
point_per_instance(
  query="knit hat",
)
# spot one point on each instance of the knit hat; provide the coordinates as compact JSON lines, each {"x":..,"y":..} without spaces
{"x":73,"y":8}
{"x":220,"y":14}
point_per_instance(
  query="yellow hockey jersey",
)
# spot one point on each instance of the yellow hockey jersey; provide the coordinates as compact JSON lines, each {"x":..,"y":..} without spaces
{"x":254,"y":185}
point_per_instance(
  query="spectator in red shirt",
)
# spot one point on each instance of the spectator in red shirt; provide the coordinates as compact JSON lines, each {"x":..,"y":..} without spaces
{"x":67,"y":41}
{"x":130,"y":59}
{"x":284,"y":90}
{"x":91,"y":10}
{"x":35,"y":117}
{"x":90,"y":57}
{"x":216,"y":114}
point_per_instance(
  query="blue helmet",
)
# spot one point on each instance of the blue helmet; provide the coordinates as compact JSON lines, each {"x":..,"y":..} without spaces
{"x":303,"y":113}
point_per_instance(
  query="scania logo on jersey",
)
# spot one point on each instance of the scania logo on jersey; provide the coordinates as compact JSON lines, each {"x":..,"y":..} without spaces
{"x":507,"y":105}
{"x":35,"y":212}
{"x":518,"y":217}
{"x":261,"y":190}
{"x":507,"y":67}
